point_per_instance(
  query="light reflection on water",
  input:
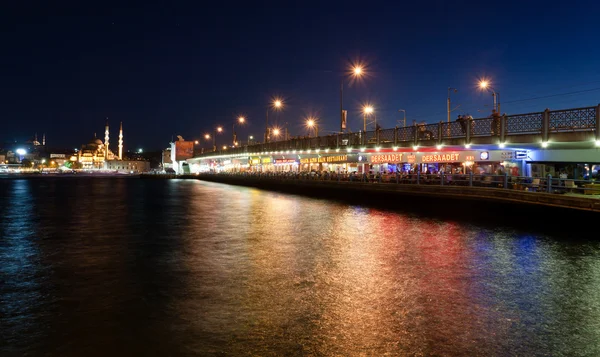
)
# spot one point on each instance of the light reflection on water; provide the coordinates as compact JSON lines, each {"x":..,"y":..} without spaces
{"x":135,"y":267}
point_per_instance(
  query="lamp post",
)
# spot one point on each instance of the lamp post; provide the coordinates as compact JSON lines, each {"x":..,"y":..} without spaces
{"x":276,"y":133}
{"x":484,"y":84}
{"x":277,"y":105}
{"x":357,"y":71}
{"x":240,"y":120}
{"x":217,"y":130}
{"x":402,"y":110}
{"x":250,"y":137}
{"x":367,"y":110}
{"x":448,"y":102}
{"x":311,"y":123}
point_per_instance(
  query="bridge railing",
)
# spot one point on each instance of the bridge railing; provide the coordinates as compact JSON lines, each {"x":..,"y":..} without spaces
{"x":546,"y":184}
{"x":567,"y":120}
{"x":579,"y":119}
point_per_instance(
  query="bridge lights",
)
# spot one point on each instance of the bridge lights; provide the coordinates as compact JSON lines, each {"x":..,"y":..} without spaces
{"x":544,"y":144}
{"x":438,"y":147}
{"x":468,"y":146}
{"x":501,"y":145}
{"x":597,"y":142}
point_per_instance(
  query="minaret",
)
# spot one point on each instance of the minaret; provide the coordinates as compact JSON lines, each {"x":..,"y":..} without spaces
{"x":121,"y":142}
{"x":44,"y":139}
{"x":106,"y":140}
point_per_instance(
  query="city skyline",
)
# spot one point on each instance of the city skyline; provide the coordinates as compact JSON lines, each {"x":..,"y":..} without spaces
{"x":164,"y":74}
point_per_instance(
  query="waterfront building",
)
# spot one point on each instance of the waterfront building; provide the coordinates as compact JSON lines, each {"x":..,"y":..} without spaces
{"x":97,"y":155}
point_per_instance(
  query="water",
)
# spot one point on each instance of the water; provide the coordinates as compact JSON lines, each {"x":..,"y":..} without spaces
{"x":98,"y":267}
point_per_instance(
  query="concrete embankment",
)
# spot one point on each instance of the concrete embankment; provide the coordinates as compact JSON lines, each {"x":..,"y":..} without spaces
{"x":428,"y":197}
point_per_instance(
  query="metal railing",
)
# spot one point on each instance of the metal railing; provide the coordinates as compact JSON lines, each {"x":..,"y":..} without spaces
{"x":540,"y":123}
{"x":547,"y":184}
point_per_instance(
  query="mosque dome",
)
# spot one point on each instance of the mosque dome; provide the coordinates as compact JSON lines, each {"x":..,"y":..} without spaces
{"x":95,"y":141}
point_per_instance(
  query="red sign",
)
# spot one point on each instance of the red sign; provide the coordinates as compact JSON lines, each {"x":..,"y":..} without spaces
{"x":385,"y":158}
{"x":285,"y":161}
{"x":184,"y":150}
{"x":441,"y":158}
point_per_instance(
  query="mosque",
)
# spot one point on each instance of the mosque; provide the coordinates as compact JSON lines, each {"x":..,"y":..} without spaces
{"x":97,"y":154}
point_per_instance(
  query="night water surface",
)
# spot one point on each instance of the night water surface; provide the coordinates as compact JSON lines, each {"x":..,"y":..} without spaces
{"x":124,"y":267}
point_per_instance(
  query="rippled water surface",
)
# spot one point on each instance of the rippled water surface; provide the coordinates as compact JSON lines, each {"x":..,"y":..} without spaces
{"x":101,"y":267}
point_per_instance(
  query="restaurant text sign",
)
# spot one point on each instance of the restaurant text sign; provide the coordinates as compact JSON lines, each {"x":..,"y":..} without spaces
{"x":441,"y":158}
{"x":385,"y":158}
{"x":327,"y":159}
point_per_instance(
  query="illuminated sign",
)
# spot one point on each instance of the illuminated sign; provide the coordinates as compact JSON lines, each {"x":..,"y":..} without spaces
{"x":411,"y":158}
{"x":255,"y":161}
{"x":285,"y":161}
{"x":385,"y":158}
{"x":325,"y":159}
{"x":484,"y":155}
{"x":184,"y":150}
{"x":441,"y":158}
{"x":520,"y":154}
{"x":266,"y":160}
{"x":226,"y":162}
{"x":469,"y":158}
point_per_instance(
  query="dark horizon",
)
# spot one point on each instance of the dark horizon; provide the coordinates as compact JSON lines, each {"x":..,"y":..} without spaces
{"x":182,"y":70}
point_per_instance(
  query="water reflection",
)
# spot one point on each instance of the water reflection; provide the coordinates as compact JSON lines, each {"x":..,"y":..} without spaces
{"x":193,"y":268}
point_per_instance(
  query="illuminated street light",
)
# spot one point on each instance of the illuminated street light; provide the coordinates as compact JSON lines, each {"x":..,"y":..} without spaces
{"x":367,"y":110}
{"x":484,"y":84}
{"x":311,"y":123}
{"x":224,"y":147}
{"x":241,"y":120}
{"x":206,"y":136}
{"x":277,"y":103}
{"x":357,"y":70}
{"x":276,"y":132}
{"x":217,"y":130}
{"x":196,"y":142}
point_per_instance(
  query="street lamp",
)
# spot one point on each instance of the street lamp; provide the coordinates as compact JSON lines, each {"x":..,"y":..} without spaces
{"x":357,"y":71}
{"x":311,"y":123}
{"x":402,"y":110}
{"x":250,"y":137}
{"x":196,"y":142}
{"x":276,"y":105}
{"x":485,"y":85}
{"x":240,"y":120}
{"x":276,"y":132}
{"x":217,"y":130}
{"x":367,"y":110}
{"x":448,"y":102}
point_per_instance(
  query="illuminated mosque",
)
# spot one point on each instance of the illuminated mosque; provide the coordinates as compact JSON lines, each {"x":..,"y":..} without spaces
{"x":97,"y":154}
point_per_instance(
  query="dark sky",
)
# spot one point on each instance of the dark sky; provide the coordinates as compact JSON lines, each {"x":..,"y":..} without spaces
{"x":182,"y":69}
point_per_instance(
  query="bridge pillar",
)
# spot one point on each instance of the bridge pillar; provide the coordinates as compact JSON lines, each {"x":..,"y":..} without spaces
{"x":468,"y":132}
{"x":440,"y":131}
{"x":415,"y":134}
{"x":377,"y":135}
{"x":597,"y":126}
{"x":503,"y":129}
{"x":337,"y":140}
{"x":396,"y":134}
{"x":545,"y":125}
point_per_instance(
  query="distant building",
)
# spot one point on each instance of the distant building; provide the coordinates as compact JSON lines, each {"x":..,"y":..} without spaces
{"x":96,"y":154}
{"x":127,"y":166}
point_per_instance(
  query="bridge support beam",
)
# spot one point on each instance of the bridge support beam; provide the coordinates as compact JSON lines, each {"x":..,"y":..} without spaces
{"x":468,"y":132}
{"x":545,"y":125}
{"x":415,"y":134}
{"x":396,"y":136}
{"x":597,"y":126}
{"x":502,"y":129}
{"x":440,"y":132}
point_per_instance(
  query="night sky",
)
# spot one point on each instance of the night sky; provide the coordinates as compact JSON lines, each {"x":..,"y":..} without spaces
{"x":170,"y":70}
